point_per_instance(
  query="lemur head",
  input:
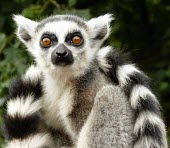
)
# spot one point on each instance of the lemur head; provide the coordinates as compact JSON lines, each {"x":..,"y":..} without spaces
{"x":63,"y":42}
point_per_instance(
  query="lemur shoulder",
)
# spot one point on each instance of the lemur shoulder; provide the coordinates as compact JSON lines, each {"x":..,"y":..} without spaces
{"x":80,"y":94}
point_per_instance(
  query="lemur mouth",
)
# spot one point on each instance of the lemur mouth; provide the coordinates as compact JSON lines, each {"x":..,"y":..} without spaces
{"x":62,"y":62}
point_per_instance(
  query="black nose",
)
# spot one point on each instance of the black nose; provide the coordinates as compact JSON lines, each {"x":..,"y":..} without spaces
{"x":62,"y":56}
{"x":61,"y":53}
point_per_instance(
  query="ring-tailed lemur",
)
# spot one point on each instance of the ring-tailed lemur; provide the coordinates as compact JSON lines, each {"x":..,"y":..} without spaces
{"x":90,"y":95}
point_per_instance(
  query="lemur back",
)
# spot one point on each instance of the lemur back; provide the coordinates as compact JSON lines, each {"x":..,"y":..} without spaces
{"x":80,"y":86}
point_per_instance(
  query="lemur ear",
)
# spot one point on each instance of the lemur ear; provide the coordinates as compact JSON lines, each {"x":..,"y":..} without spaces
{"x":25,"y":28}
{"x":100,"y":26}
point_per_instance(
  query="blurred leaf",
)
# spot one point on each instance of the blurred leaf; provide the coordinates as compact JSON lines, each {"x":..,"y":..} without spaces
{"x":85,"y":13}
{"x":156,"y":2}
{"x":72,"y":2}
{"x":2,"y":41}
{"x":168,"y":73}
{"x":32,"y":11}
{"x":164,"y":86}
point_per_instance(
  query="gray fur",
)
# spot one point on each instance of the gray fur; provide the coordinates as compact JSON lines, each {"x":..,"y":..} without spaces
{"x":110,"y":123}
{"x":84,"y":94}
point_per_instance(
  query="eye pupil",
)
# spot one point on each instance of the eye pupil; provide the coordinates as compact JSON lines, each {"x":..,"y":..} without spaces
{"x":46,"y":41}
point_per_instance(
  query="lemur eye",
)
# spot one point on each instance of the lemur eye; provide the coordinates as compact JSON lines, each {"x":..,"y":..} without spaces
{"x":76,"y":40}
{"x":46,"y":41}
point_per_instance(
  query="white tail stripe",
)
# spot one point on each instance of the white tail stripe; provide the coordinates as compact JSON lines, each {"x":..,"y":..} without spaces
{"x":124,"y":72}
{"x":146,"y":142}
{"x":22,"y":106}
{"x":32,"y":74}
{"x":140,"y":92}
{"x":144,"y":117}
{"x":38,"y":140}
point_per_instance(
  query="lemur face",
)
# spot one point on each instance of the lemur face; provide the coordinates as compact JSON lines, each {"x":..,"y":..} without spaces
{"x":64,"y":41}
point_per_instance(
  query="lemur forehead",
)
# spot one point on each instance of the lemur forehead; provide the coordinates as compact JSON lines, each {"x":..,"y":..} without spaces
{"x":70,"y":18}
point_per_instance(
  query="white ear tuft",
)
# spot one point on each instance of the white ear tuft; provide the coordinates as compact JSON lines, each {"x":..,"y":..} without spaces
{"x":100,"y":26}
{"x":25,"y":27}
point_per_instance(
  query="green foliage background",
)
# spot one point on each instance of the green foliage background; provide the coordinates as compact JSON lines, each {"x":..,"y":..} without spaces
{"x":140,"y":27}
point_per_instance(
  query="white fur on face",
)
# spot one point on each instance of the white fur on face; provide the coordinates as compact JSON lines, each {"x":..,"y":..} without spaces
{"x":94,"y":33}
{"x":83,"y":55}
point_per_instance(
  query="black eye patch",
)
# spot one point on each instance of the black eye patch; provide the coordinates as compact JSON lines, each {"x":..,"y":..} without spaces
{"x":70,"y":36}
{"x":51,"y":36}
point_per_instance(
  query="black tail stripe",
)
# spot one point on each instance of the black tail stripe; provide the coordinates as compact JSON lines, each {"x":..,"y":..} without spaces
{"x":24,"y":88}
{"x":115,"y":59}
{"x":136,"y":78}
{"x":18,"y":127}
{"x":148,"y":104}
{"x":145,"y":104}
{"x":151,"y":131}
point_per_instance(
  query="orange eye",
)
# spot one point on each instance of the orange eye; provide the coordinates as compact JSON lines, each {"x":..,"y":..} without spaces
{"x":46,"y":42}
{"x":76,"y":40}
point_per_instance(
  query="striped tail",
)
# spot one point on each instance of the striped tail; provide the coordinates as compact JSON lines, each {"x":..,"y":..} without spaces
{"x":22,"y":119}
{"x":149,"y":128}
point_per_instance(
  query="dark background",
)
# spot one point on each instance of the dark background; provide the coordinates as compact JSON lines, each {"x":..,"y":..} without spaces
{"x":141,"y":28}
